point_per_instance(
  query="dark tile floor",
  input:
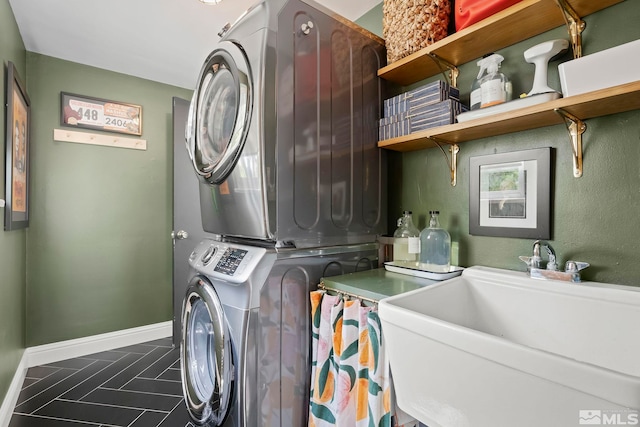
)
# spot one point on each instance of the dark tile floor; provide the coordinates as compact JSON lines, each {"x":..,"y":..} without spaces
{"x":136,"y":386}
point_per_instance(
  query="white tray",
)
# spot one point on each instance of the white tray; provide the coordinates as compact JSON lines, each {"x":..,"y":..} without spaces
{"x":412,"y":268}
{"x":507,"y":106}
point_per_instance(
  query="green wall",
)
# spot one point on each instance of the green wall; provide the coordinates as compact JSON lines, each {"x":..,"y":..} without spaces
{"x":372,"y":20}
{"x":99,"y":251}
{"x":98,"y":246}
{"x":594,"y":218}
{"x":12,"y":243}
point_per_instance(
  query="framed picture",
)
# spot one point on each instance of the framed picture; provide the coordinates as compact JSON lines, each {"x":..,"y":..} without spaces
{"x":16,"y":211}
{"x":509,"y":194}
{"x":100,"y":114}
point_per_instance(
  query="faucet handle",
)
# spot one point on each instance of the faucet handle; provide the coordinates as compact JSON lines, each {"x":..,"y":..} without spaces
{"x":574,"y":268}
{"x":531,"y":261}
{"x":527,"y":260}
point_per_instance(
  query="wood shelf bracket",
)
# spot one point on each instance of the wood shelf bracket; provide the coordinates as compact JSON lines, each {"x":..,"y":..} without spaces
{"x":575,"y":25}
{"x":452,"y":162}
{"x":576,"y":128}
{"x":448,"y":70}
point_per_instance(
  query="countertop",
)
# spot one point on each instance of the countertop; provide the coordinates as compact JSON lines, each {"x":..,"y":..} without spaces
{"x":375,"y":284}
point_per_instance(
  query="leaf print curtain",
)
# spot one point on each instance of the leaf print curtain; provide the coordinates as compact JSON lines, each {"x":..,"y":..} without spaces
{"x":350,"y":384}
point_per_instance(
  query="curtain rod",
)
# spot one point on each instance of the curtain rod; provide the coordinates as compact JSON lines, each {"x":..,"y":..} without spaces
{"x":322,"y":286}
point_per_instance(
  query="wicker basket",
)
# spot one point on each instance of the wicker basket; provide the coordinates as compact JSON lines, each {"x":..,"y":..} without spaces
{"x":410,"y":25}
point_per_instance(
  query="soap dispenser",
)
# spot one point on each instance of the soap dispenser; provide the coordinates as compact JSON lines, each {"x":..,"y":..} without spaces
{"x":475,"y":98}
{"x":495,"y":87}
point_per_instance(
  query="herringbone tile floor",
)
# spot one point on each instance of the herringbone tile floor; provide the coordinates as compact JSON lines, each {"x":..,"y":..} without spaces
{"x":136,"y":386}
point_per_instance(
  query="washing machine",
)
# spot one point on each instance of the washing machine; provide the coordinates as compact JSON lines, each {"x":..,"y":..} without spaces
{"x":282,"y":129}
{"x":245,"y":345}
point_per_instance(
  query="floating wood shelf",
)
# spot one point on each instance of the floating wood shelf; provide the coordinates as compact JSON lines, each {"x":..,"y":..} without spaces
{"x":521,"y":21}
{"x":586,"y":106}
{"x":525,"y":19}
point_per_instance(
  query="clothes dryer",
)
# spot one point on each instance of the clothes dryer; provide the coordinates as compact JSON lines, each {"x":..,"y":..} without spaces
{"x":245,"y":347}
{"x":282,"y":129}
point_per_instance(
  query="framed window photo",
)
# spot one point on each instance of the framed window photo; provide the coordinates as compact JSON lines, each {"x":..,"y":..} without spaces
{"x":16,"y":211}
{"x":510,"y":194}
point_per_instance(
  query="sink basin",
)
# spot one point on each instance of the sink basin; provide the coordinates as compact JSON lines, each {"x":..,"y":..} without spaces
{"x":496,"y":348}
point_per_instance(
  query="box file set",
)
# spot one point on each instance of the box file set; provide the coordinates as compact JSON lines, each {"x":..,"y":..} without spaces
{"x":431,"y":105}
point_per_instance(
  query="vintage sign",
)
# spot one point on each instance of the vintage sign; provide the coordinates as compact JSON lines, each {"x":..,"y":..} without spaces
{"x":95,"y":113}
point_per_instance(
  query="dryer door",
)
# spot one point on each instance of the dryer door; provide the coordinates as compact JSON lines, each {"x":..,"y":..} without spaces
{"x":219,"y":113}
{"x":207,"y":366}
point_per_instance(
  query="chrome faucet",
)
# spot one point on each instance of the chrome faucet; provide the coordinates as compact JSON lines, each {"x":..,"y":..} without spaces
{"x":535,"y":270}
{"x":551,"y":254}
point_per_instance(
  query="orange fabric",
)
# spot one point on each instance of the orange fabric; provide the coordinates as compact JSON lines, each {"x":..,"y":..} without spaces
{"x":362,"y":399}
{"x":329,"y":387}
{"x":365,"y":349}
{"x":337,"y":338}
{"x":468,"y":12}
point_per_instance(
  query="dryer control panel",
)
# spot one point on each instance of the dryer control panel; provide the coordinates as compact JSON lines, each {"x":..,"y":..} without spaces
{"x":227,"y":261}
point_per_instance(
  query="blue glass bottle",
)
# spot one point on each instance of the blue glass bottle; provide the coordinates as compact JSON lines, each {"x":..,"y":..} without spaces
{"x":435,"y":246}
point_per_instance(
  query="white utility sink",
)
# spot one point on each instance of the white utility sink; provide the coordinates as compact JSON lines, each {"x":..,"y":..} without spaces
{"x":496,"y":348}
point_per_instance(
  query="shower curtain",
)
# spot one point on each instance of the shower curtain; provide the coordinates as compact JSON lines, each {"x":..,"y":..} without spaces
{"x":350,"y":384}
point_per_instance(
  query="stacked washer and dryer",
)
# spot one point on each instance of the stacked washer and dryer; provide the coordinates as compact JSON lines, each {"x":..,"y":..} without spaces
{"x":282,"y":134}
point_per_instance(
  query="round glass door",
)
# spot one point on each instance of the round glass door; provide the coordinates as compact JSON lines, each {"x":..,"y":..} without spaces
{"x":219,"y":113}
{"x":206,"y":355}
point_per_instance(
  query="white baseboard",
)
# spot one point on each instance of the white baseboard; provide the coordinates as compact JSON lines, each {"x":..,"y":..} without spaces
{"x":54,"y":352}
{"x":11,"y":397}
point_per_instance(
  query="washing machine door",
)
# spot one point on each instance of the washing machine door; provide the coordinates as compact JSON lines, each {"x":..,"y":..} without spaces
{"x":207,"y":365}
{"x":219,"y":113}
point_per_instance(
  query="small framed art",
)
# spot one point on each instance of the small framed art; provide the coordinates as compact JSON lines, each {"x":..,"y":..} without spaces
{"x":510,"y":194}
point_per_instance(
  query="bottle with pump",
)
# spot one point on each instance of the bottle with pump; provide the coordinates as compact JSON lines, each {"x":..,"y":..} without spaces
{"x":495,"y":87}
{"x":406,"y":242}
{"x":435,"y":246}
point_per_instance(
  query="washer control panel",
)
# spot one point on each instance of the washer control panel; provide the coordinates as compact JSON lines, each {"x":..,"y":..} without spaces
{"x":228,"y":261}
{"x":207,"y":256}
